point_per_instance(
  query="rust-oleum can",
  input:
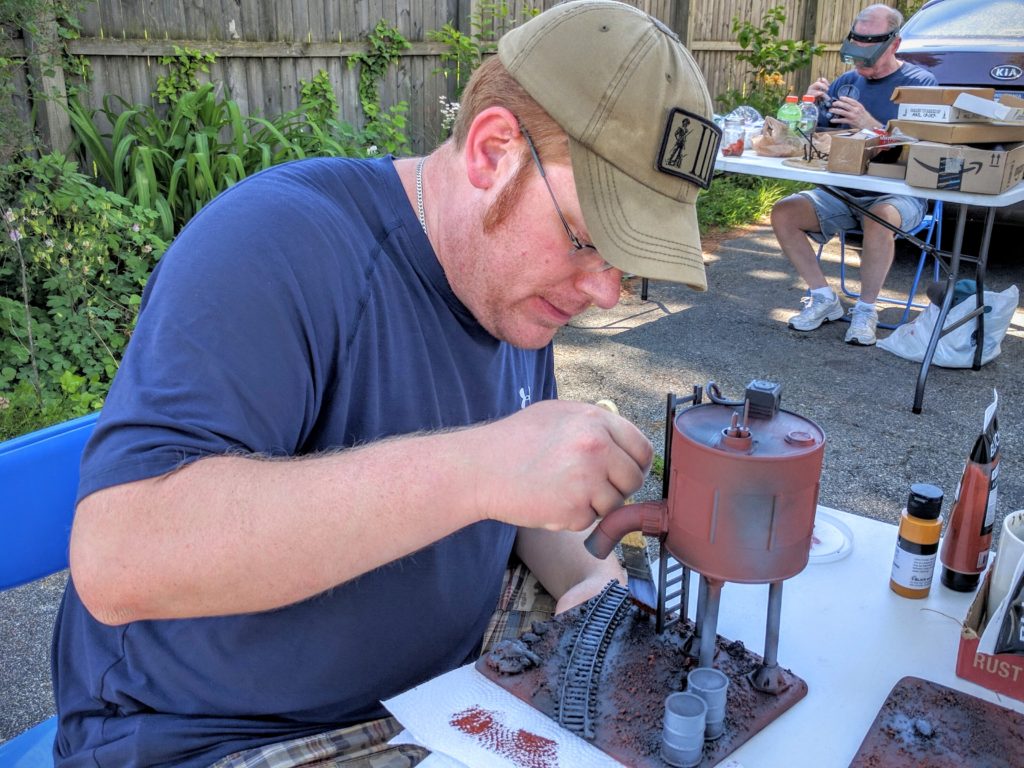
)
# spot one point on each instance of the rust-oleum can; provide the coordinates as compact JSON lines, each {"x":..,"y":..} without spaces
{"x":917,"y":544}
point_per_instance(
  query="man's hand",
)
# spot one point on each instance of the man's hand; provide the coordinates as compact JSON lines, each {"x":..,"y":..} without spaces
{"x":557,"y":465}
{"x":819,"y":88}
{"x":852,"y":113}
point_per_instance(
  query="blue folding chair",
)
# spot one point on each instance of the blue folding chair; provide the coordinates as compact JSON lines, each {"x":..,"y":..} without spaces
{"x":930,"y":231}
{"x":39,"y":482}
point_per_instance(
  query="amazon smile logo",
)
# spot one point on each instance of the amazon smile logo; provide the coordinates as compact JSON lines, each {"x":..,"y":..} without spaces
{"x":961,"y":167}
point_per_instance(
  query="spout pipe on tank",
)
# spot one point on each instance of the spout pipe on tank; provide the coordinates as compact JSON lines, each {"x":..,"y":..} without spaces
{"x":648,"y":517}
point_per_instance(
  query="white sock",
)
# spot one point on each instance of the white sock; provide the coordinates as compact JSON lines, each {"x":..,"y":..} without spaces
{"x":861,"y":306}
{"x":825,"y":293}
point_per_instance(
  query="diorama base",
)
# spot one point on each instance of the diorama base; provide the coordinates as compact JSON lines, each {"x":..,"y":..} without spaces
{"x":640,"y":669}
{"x":924,"y":723}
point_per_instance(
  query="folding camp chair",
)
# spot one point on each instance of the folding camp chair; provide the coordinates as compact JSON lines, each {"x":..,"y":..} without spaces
{"x":39,"y":482}
{"x":930,"y":231}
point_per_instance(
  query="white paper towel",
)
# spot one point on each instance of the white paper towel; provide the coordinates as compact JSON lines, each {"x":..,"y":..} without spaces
{"x":465,"y":716}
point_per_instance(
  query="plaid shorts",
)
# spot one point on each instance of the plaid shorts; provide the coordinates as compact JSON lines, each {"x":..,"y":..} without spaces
{"x":357,"y":746}
{"x":523,"y":600}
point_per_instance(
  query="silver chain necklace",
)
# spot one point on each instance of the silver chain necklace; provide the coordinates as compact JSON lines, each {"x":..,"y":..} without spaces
{"x":419,"y":193}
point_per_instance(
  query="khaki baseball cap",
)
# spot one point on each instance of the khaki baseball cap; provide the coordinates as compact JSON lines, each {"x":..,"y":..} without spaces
{"x":638,"y":115}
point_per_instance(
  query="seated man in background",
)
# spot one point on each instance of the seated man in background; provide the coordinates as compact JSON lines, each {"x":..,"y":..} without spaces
{"x":860,"y":98}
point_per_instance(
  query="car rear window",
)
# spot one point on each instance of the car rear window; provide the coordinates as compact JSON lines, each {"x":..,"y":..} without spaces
{"x":995,"y":19}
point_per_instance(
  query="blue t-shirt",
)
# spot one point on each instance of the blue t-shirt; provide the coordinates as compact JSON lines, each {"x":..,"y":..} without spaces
{"x":876,"y":95}
{"x":300,"y":311}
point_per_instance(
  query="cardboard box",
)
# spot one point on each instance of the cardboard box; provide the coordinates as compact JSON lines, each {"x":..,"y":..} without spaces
{"x":938,"y":113}
{"x":969,"y":169}
{"x":960,"y":133}
{"x":1008,"y":109}
{"x":891,"y":168}
{"x":888,"y":170}
{"x":850,"y":152}
{"x":1002,"y":672}
{"x":925,"y":94}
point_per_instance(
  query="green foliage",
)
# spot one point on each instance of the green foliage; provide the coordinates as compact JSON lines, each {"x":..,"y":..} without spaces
{"x":74,"y":260}
{"x":908,"y":7}
{"x":174,"y":161}
{"x":462,"y":56}
{"x":36,"y":18}
{"x":769,"y":58}
{"x":465,"y":52}
{"x":317,"y":98}
{"x":735,"y":200}
{"x":182,"y":75}
{"x":385,"y":128}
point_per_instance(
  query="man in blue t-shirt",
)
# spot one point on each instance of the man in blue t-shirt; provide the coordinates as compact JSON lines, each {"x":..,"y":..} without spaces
{"x":860,"y":98}
{"x":336,"y":418}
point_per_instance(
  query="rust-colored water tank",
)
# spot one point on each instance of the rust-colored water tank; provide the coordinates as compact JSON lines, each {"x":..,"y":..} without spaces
{"x":742,"y":496}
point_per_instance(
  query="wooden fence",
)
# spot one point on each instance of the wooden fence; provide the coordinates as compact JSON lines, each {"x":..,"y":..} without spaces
{"x":265,"y":49}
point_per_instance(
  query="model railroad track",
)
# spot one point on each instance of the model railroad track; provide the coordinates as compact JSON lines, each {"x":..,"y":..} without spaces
{"x":577,"y":702}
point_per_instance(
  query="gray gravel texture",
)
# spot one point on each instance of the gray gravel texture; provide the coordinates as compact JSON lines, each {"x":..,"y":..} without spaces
{"x":735,"y":332}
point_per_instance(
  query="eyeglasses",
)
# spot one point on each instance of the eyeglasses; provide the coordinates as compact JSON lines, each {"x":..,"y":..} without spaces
{"x":583,"y":254}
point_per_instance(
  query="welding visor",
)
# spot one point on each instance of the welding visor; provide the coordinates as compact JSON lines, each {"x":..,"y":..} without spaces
{"x":864,"y":50}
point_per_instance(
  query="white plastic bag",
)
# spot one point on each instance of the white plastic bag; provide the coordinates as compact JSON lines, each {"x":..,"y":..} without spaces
{"x":955,"y":349}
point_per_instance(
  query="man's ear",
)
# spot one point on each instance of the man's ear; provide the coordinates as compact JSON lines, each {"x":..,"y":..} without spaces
{"x":492,"y":147}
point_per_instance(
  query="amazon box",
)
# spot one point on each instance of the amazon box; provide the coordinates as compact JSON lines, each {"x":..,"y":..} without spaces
{"x":968,"y":169}
{"x":850,"y":152}
{"x":1000,"y":672}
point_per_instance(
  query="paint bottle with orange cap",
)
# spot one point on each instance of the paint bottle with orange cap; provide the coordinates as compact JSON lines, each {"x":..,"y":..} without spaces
{"x":917,"y":544}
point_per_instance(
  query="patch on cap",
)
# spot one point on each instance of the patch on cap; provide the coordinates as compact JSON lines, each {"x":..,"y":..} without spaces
{"x":689,"y":147}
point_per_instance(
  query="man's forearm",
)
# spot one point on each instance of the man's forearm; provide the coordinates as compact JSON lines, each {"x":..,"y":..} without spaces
{"x":231,"y":534}
{"x":563,"y":565}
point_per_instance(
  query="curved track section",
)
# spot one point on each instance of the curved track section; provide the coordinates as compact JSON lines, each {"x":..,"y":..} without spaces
{"x":577,"y":702}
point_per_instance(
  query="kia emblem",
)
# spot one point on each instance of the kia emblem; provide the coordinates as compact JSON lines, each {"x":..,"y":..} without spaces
{"x":1006,"y":72}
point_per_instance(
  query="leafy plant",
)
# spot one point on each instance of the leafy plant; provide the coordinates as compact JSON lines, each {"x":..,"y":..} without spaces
{"x":182,"y":75}
{"x":385,"y":128}
{"x":318,"y":100}
{"x":176,"y":159}
{"x":51,"y":24}
{"x":72,"y":268}
{"x":908,"y":7}
{"x":735,"y":200}
{"x":466,"y":51}
{"x":769,"y":59}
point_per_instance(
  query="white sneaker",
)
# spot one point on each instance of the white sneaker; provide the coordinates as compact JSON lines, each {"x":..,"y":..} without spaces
{"x":817,"y":310}
{"x":862,"y":327}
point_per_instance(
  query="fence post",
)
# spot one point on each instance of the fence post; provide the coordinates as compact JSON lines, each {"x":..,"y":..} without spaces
{"x":809,"y":31}
{"x":51,"y":96}
{"x":680,"y":21}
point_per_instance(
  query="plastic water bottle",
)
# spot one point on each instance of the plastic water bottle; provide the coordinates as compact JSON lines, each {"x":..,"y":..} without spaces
{"x":789,"y":113}
{"x":808,"y":116}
